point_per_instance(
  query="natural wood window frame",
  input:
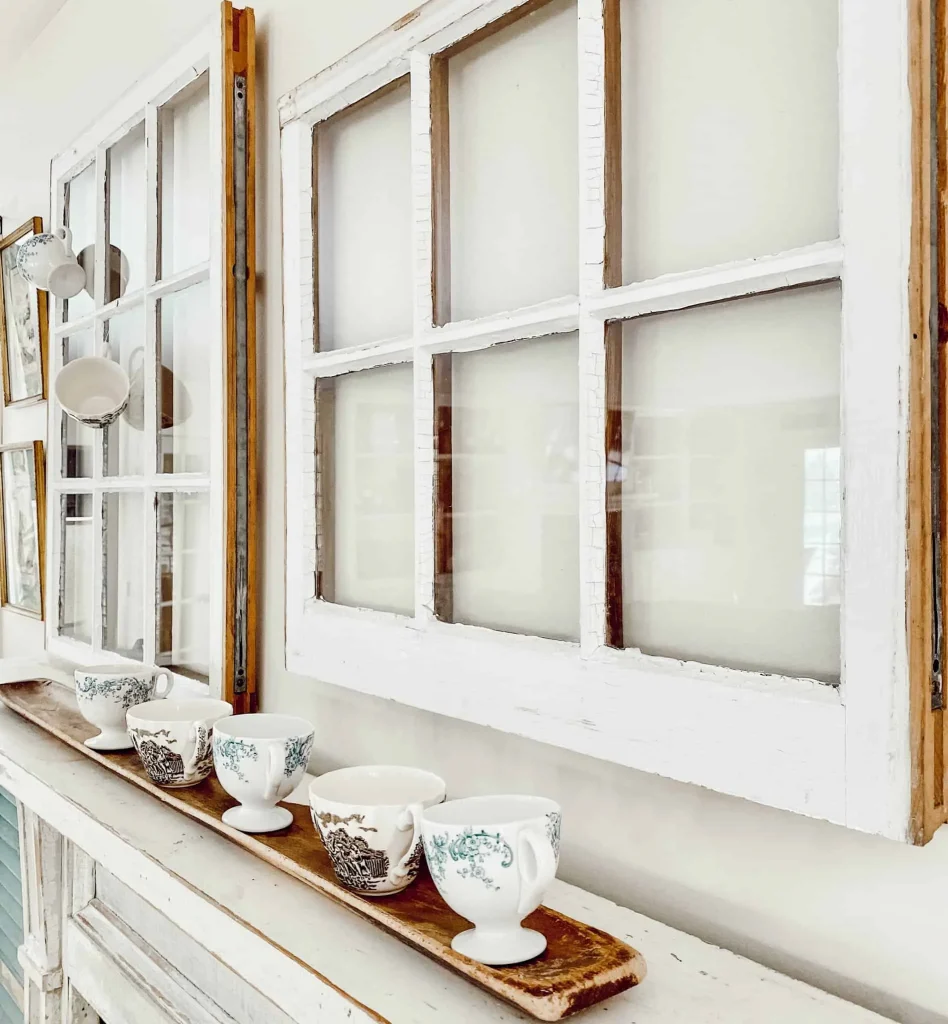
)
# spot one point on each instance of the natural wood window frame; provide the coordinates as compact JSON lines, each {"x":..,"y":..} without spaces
{"x":840,"y":753}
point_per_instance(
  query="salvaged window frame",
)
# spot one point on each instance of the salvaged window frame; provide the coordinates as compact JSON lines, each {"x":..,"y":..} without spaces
{"x":224,"y":51}
{"x":839,"y":753}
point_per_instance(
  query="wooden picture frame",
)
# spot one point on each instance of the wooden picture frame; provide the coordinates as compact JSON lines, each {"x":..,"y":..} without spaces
{"x":37,"y":312}
{"x":35,"y":457}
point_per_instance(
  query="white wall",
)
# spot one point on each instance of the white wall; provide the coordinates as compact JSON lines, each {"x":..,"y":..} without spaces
{"x":861,"y":916}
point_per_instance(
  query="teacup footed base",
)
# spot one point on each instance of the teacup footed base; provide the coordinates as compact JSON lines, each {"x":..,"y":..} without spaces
{"x":497,"y":949}
{"x":110,"y":739}
{"x":179,"y":785}
{"x":257,"y":819}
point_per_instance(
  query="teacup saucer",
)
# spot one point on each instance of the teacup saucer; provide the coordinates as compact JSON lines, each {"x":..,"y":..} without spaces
{"x":109,"y":741}
{"x":257,"y":819}
{"x":499,"y":948}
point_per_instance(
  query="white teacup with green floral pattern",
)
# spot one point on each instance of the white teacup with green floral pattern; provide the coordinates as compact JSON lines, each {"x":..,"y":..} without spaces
{"x":260,"y":759}
{"x":492,"y":859}
{"x":105,"y":693}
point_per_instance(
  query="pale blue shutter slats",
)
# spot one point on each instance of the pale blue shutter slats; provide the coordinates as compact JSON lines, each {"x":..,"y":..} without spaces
{"x":10,"y":1013}
{"x":11,"y":899}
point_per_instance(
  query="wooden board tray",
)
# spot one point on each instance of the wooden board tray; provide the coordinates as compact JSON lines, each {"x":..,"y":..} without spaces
{"x":581,"y":966}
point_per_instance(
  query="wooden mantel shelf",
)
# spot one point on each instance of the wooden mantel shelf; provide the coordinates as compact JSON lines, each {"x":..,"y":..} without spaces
{"x":317,"y":961}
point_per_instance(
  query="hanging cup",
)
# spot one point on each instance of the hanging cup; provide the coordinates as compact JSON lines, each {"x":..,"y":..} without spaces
{"x":48,"y":262}
{"x":93,"y":390}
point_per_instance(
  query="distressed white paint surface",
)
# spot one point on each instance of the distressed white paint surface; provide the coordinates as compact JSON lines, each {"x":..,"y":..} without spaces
{"x":839,"y":755}
{"x":243,"y":911}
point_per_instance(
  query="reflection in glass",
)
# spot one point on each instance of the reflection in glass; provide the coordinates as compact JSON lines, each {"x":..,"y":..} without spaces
{"x":184,"y":408}
{"x":183,"y":624}
{"x":123,"y":530}
{"x":365,"y":222}
{"x":821,"y":526}
{"x":21,"y":320}
{"x":731,"y":441}
{"x":126,"y":219}
{"x":77,"y":438}
{"x":185,"y":128}
{"x":515,"y":483}
{"x":80,"y":219}
{"x":124,"y":439}
{"x":76,"y":584}
{"x":730,"y":129}
{"x":368,"y":489}
{"x":21,"y":528}
{"x":514,"y":203}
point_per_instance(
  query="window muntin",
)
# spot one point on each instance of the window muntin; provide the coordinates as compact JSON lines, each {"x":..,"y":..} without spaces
{"x":118,"y":513}
{"x":829,"y":752}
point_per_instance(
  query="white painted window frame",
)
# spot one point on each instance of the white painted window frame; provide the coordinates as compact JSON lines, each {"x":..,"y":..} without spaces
{"x":839,"y":753}
{"x":142,"y":103}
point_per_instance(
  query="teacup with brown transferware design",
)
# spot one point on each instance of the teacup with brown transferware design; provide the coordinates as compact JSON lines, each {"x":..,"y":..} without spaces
{"x":369,"y":819}
{"x":173,"y":738}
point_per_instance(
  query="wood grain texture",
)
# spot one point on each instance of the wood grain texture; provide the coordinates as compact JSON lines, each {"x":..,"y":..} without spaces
{"x":924,"y":506}
{"x":240,"y":586}
{"x":581,"y":966}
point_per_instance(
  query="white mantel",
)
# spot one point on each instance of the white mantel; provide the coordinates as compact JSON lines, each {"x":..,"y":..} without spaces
{"x":140,"y":878}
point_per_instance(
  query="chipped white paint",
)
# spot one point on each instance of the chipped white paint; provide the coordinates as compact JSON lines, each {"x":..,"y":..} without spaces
{"x":168,"y":875}
{"x":359,"y":357}
{"x":200,"y":55}
{"x":836,"y":754}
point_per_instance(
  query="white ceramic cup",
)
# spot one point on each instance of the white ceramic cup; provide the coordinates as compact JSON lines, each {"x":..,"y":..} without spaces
{"x":260,"y":759}
{"x":173,"y":738}
{"x":104,"y":695}
{"x":93,"y":390}
{"x":369,"y":819}
{"x":48,"y":262}
{"x":492,"y":859}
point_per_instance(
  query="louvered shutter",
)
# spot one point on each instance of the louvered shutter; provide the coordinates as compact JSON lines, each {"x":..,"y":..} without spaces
{"x":11,"y":905}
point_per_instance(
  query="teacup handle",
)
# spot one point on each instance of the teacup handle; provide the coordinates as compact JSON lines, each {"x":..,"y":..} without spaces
{"x":532,"y":889}
{"x":410,"y":818}
{"x":202,"y":742}
{"x":276,"y":762}
{"x":65,"y":236}
{"x":166,"y":678}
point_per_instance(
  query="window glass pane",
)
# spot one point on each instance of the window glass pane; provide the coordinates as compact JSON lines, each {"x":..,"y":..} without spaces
{"x":124,"y":573}
{"x":514,"y":165}
{"x":23,"y":351}
{"x":515,"y":484}
{"x":77,"y":438}
{"x":184,"y":542}
{"x":730,"y":130}
{"x":125,"y":437}
{"x":80,"y":219}
{"x":730,"y":469}
{"x":76,"y":572}
{"x":364,"y":217}
{"x":126,"y":192}
{"x":185,"y":127}
{"x":20,"y":530}
{"x":184,"y":406}
{"x":367,"y":487}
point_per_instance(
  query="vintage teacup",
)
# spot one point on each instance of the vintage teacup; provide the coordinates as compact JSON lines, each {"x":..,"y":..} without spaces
{"x":173,"y":738}
{"x":48,"y":262}
{"x":369,"y":819}
{"x":105,"y":694}
{"x":260,"y":759}
{"x":492,"y":859}
{"x":93,"y":390}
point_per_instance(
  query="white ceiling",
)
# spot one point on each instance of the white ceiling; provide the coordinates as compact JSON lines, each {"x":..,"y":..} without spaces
{"x":22,"y":22}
